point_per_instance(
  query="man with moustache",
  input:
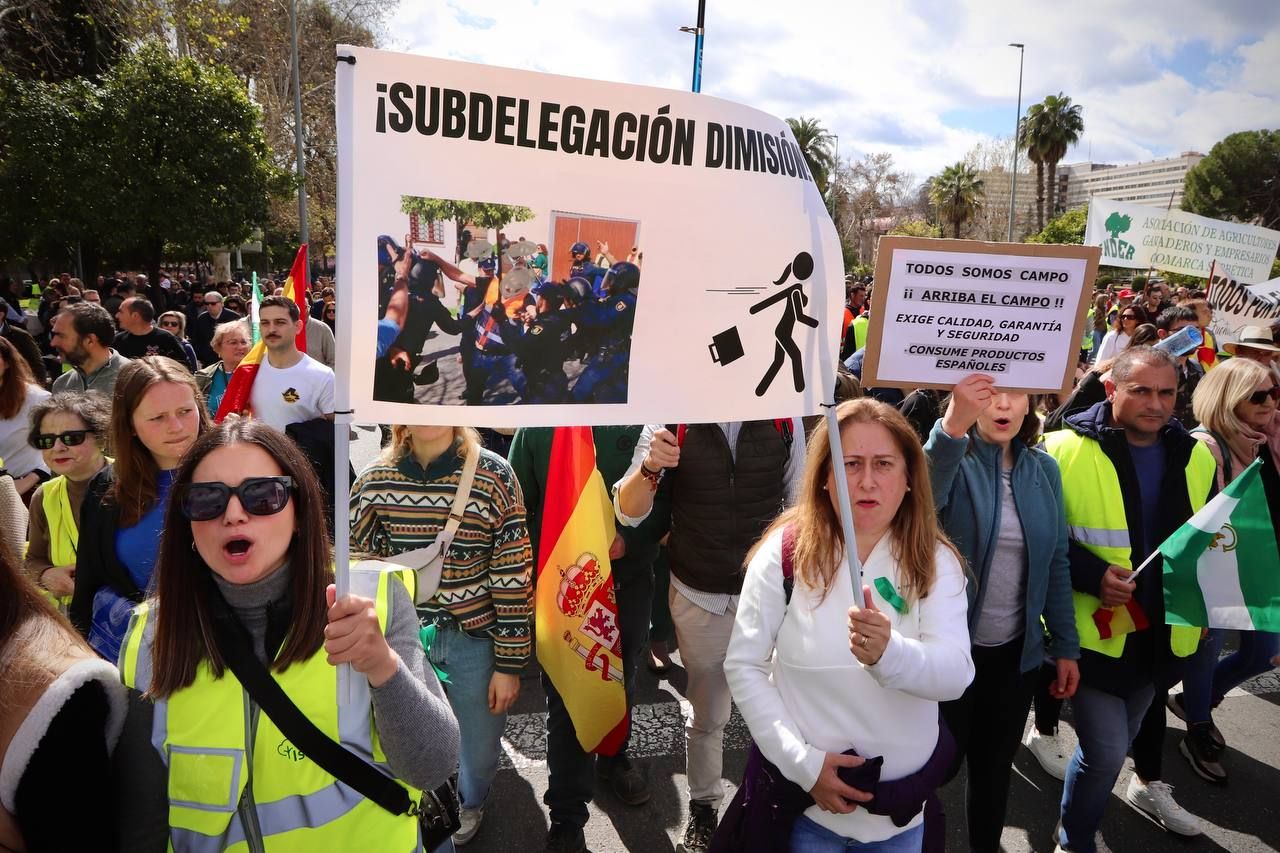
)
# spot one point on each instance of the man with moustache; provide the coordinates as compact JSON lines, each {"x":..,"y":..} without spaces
{"x":291,"y":386}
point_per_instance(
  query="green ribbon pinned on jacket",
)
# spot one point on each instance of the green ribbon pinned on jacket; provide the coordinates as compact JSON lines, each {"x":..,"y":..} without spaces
{"x":427,"y":636}
{"x":889,"y":594}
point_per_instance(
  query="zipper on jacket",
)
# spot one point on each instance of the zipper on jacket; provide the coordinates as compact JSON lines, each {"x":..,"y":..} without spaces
{"x":248,"y":809}
{"x":992,"y":532}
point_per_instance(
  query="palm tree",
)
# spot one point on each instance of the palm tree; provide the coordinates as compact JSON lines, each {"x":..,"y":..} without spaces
{"x":1028,"y":141}
{"x":1050,"y":128}
{"x":815,"y":144}
{"x":958,"y":193}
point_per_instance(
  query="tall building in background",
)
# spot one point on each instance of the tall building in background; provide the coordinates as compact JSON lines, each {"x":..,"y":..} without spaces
{"x":992,"y":220}
{"x":1153,"y":183}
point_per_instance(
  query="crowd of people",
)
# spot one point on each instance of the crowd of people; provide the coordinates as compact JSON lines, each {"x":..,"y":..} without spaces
{"x":524,"y":337}
{"x":171,"y":622}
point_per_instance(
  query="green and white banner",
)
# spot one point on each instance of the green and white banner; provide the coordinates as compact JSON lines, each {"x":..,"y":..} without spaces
{"x":1222,"y":568}
{"x":1141,"y":237}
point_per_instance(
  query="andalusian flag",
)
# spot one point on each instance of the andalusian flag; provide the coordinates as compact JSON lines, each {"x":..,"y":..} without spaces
{"x":1222,"y":568}
{"x":236,"y":398}
{"x":575,"y":613}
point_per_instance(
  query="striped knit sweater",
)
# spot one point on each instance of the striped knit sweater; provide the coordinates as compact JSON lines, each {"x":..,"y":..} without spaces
{"x":486,"y":581}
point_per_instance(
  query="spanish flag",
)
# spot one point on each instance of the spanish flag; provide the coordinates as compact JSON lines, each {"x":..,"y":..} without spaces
{"x":575,"y":612}
{"x":236,"y":398}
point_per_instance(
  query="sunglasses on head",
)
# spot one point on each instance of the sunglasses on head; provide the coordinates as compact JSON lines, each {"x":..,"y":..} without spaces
{"x":1260,"y":397}
{"x":257,"y":495}
{"x":71,"y":438}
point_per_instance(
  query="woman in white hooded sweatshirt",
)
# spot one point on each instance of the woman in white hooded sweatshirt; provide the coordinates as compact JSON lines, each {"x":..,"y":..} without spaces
{"x":827,"y":672}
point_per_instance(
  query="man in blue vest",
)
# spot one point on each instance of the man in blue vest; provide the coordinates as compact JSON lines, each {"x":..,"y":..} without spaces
{"x":1131,"y":476}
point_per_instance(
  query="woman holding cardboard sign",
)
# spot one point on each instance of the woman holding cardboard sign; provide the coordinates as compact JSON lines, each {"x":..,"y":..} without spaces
{"x":1000,"y":501}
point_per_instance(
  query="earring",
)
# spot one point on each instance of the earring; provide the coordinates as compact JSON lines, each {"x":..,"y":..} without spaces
{"x":193,"y":546}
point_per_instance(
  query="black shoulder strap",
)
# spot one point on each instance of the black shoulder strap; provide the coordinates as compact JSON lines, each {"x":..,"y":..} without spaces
{"x":234,"y":643}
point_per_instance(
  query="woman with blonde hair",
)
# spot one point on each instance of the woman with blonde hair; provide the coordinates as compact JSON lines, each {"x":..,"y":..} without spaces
{"x":1236,"y":405}
{"x":175,"y":323}
{"x":478,"y":619}
{"x":831,"y":677}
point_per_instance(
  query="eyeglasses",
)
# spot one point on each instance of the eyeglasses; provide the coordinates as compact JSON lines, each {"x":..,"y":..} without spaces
{"x":1260,"y":397}
{"x":71,"y":438}
{"x":257,"y":495}
{"x":1128,"y":317}
{"x":168,"y":324}
{"x":212,"y":301}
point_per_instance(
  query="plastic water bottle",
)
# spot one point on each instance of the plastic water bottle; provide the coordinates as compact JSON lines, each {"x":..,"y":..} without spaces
{"x":1181,"y":342}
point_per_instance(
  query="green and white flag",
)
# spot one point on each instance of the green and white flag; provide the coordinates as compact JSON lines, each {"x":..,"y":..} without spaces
{"x":1222,"y":568}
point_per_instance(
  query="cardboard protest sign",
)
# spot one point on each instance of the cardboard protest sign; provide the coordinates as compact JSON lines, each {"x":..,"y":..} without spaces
{"x":522,"y":249}
{"x":1236,"y":306}
{"x":943,"y":309}
{"x":1141,"y":237}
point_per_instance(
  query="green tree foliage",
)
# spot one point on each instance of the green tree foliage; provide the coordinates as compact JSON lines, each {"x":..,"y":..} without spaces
{"x":1067,"y":228}
{"x":463,"y":213}
{"x":1046,"y":132}
{"x":916,"y":227}
{"x":164,"y":151}
{"x":56,"y":40}
{"x":815,"y":144}
{"x":958,"y":193}
{"x":1239,"y":180}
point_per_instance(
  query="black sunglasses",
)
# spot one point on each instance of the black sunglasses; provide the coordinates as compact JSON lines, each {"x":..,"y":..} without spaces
{"x":258,"y":496}
{"x":71,"y":438}
{"x":1260,"y":397}
{"x":1128,"y":316}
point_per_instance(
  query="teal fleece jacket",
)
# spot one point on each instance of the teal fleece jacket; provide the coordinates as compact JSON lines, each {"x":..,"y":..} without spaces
{"x":965,"y":474}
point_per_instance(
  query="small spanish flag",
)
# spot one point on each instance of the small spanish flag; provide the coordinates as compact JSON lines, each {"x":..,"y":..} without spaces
{"x":575,"y":612}
{"x":240,"y":388}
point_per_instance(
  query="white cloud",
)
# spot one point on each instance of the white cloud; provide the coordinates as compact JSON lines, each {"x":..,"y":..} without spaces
{"x":887,"y":77}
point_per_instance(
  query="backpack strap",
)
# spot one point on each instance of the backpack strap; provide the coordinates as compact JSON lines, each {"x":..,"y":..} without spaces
{"x":788,"y":561}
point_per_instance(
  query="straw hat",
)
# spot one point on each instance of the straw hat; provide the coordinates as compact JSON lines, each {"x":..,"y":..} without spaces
{"x":1254,"y":337}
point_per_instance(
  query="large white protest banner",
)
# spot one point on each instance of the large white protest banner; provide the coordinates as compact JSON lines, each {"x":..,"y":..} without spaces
{"x":1142,"y":237}
{"x":1236,"y":306}
{"x":943,"y":309}
{"x":480,"y":210}
{"x":1268,"y":290}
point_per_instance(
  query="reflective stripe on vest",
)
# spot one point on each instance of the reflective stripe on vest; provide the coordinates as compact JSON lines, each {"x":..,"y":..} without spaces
{"x":201,"y":734}
{"x":1097,"y":522}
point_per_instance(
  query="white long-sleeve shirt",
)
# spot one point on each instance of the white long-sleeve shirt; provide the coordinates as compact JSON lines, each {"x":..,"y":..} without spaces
{"x":803,"y":693}
{"x":1113,"y":343}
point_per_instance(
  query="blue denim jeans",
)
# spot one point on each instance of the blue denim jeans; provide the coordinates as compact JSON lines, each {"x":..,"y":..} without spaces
{"x":1106,"y":725}
{"x":1206,"y":679}
{"x":468,"y":662}
{"x":809,"y":837}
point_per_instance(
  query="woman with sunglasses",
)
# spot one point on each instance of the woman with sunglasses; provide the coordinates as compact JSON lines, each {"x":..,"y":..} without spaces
{"x":481,"y":611}
{"x":330,"y":316}
{"x":1114,"y":341}
{"x":1236,"y":404}
{"x":156,"y":415}
{"x":246,"y":564}
{"x":18,"y":394}
{"x":175,"y":323}
{"x":69,"y":430}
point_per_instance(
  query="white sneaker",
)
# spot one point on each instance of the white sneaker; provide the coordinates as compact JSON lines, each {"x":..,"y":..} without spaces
{"x":469,"y":825}
{"x":1099,"y":846}
{"x":1053,"y":752}
{"x":1155,"y":800}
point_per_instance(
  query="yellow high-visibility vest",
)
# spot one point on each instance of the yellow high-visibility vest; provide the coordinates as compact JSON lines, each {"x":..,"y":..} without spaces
{"x":203,"y":734}
{"x":1096,"y":520}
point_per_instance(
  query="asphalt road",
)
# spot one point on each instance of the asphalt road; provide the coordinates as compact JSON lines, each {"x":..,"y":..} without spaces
{"x":1242,"y":817}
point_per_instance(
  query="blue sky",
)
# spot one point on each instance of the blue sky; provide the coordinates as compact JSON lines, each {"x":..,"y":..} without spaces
{"x":925,"y":80}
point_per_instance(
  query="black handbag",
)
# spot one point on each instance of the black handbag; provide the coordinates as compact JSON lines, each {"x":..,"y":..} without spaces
{"x":438,"y":810}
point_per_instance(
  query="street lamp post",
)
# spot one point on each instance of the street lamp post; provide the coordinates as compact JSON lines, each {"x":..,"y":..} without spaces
{"x":698,"y":33}
{"x":1017,"y":121}
{"x":303,"y":231}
